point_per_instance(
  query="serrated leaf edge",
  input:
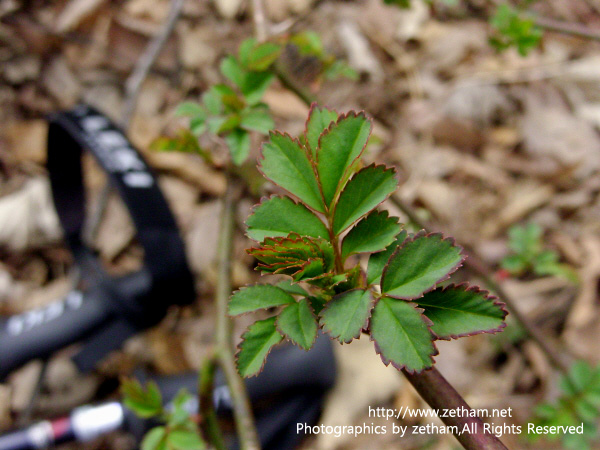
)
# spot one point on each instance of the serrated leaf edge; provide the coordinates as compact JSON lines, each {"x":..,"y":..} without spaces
{"x":288,"y":339}
{"x":410,"y":239}
{"x":388,"y":216}
{"x":239,"y":349}
{"x":266,"y":198}
{"x":313,"y":106}
{"x":386,"y":168}
{"x":467,"y":287}
{"x":260,"y":309}
{"x":428,"y":323}
{"x":261,"y":158}
{"x":327,"y":131}
{"x":365,"y":325}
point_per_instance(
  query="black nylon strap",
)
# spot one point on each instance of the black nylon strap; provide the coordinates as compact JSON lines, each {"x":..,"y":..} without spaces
{"x":164,"y":255}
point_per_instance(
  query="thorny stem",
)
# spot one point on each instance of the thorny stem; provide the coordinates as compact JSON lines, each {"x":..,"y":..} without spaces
{"x":440,"y":394}
{"x":244,"y":420}
{"x":209,"y":424}
{"x":478,"y":267}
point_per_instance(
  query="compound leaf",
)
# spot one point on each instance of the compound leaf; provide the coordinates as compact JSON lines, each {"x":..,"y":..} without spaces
{"x":279,"y":216}
{"x":319,"y":119}
{"x":339,"y":148}
{"x":254,"y":86}
{"x":346,"y":314}
{"x":372,"y":234}
{"x":258,"y":296}
{"x":458,"y":311}
{"x":297,"y":322}
{"x":256,"y":345}
{"x":367,"y":189}
{"x":378,"y":261}
{"x":401,"y":334}
{"x":419,"y":264}
{"x":285,"y":162}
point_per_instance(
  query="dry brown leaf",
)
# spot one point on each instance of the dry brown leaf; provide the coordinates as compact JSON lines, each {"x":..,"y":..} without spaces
{"x":74,"y":12}
{"x":27,"y":140}
{"x":61,"y":82}
{"x":28,"y":218}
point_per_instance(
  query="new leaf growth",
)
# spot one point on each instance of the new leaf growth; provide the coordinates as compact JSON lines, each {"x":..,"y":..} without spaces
{"x":332,"y":212}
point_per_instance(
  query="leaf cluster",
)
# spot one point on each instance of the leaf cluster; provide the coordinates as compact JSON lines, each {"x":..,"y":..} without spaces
{"x":332,"y":212}
{"x":514,"y":29}
{"x":179,"y":431}
{"x":579,"y":403}
{"x":232,"y":111}
{"x":529,"y":256}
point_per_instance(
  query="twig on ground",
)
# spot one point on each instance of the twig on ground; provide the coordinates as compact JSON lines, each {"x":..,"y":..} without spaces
{"x":572,"y":29}
{"x":145,"y":62}
{"x":133,"y":85}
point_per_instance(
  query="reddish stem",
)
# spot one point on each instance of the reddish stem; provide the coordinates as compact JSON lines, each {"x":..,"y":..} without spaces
{"x":440,"y":395}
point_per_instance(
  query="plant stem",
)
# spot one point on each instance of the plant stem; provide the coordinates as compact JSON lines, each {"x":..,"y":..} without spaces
{"x":440,"y":394}
{"x":209,"y":424}
{"x":244,"y":420}
{"x":288,"y":82}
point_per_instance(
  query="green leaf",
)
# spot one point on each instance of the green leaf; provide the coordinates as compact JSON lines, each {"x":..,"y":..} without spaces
{"x":285,"y":162}
{"x":144,"y":401}
{"x":258,"y":296}
{"x":372,"y":234}
{"x":257,"y":119}
{"x":290,"y":288}
{"x":345,"y":315}
{"x":340,"y":147}
{"x":319,"y":119}
{"x":339,"y":69}
{"x":185,"y":440}
{"x":404,"y":4}
{"x":279,"y":216}
{"x":378,"y":261}
{"x":190,"y":109}
{"x":254,"y":86}
{"x":297,"y":322}
{"x":419,"y":264}
{"x":514,"y":264}
{"x":309,"y":44}
{"x":238,"y":142}
{"x":256,"y":345}
{"x":244,"y":50}
{"x":262,"y":56}
{"x":212,"y":101}
{"x":231,"y":68}
{"x":458,"y":311}
{"x":155,"y":439}
{"x":402,"y":336}
{"x":367,"y":189}
{"x":230,"y":123}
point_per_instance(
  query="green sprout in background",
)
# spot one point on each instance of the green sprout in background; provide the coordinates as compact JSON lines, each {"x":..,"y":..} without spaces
{"x":529,"y":256}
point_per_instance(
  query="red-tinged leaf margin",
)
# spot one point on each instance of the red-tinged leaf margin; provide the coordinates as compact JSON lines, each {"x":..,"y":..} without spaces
{"x":365,"y":326}
{"x":314,"y":316}
{"x":266,"y":198}
{"x":313,"y":106}
{"x":261,"y":157}
{"x":428,"y":323}
{"x":239,"y":349}
{"x":495,"y":301}
{"x":423,"y":233}
{"x":345,"y":175}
